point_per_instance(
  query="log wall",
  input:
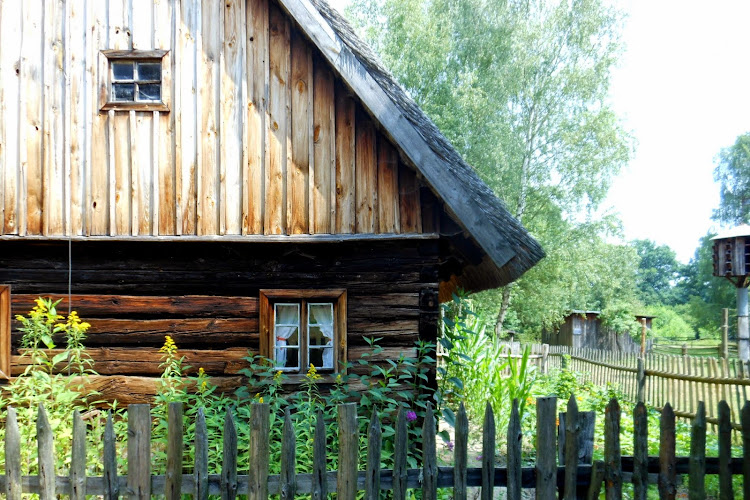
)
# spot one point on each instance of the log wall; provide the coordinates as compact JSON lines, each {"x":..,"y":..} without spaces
{"x":205,"y":295}
{"x":259,"y":137}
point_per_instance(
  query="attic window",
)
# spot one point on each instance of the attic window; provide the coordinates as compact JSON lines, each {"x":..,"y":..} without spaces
{"x":136,"y":80}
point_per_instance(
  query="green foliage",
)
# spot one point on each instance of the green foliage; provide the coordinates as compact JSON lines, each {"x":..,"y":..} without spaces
{"x":657,"y":273}
{"x":733,"y":175}
{"x":670,"y":322}
{"x":619,"y":317}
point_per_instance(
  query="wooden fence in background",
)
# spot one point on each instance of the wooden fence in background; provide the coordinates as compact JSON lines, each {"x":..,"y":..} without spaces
{"x":572,"y":478}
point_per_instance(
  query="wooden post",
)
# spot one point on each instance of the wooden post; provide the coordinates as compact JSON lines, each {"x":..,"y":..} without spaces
{"x":401,"y":444}
{"x":228,"y":479}
{"x":319,"y":484}
{"x":571,"y":450}
{"x":461,"y":453}
{"x":346,"y":483}
{"x":643,"y":337}
{"x":139,"y":451}
{"x":640,"y":452}
{"x":514,"y":454}
{"x":200,"y":473}
{"x":612,"y":455}
{"x":429,"y":458}
{"x":726,"y":492}
{"x":288,"y":480}
{"x":545,"y":359}
{"x":174,"y":451}
{"x":725,"y":335}
{"x":667,"y":461}
{"x":374,"y":443}
{"x":257,"y":481}
{"x":45,"y":456}
{"x":111,"y":483}
{"x":641,"y":381}
{"x":697,"y":464}
{"x":12,"y":456}
{"x":546,"y":462}
{"x":78,"y":459}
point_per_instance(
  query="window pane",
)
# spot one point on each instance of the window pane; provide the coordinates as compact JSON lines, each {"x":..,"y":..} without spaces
{"x":287,"y":314}
{"x":149,"y":71}
{"x":286,"y":336}
{"x":149,"y":92}
{"x":321,"y":314}
{"x":322,"y":357}
{"x":321,"y":335}
{"x":287,"y":357}
{"x":123,"y":91}
{"x":122,"y":70}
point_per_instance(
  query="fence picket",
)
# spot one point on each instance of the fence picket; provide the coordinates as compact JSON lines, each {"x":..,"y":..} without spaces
{"x":111,"y":483}
{"x":78,"y":459}
{"x":346,"y":486}
{"x":514,"y":454}
{"x":571,"y":449}
{"x":726,"y":491}
{"x":546,"y":462}
{"x":139,"y":451}
{"x":429,"y":458}
{"x":612,"y":456}
{"x":319,"y":483}
{"x":640,"y":451}
{"x":372,"y":477}
{"x":488,"y":454}
{"x":288,"y":480}
{"x":698,"y":454}
{"x":46,"y":457}
{"x":175,"y":451}
{"x":257,"y":481}
{"x":667,"y":462}
{"x":399,"y":456}
{"x":229,"y":463}
{"x":12,"y":456}
{"x":461,"y":453}
{"x":201,"y":456}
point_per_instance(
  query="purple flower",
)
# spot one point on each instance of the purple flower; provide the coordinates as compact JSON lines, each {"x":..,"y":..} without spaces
{"x":411,"y":416}
{"x":449,"y":444}
{"x":479,"y":457}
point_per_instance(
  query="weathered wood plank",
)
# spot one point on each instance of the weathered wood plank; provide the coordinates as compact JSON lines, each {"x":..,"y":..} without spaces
{"x":174,"y":451}
{"x":139,"y":451}
{"x":374,"y":443}
{"x":460,"y":454}
{"x":257,"y":69}
{"x":546,"y":466}
{"x":667,"y":464}
{"x":229,"y":458}
{"x":53,"y":175}
{"x":319,"y":484}
{"x":572,"y":430}
{"x":612,"y":454}
{"x":429,"y":456}
{"x":346,"y":483}
{"x":488,"y":453}
{"x":12,"y":456}
{"x":388,"y":196}
{"x":186,"y":107}
{"x":400,"y":447}
{"x":75,"y":117}
{"x":410,"y":214}
{"x":345,"y":161}
{"x":726,"y":490}
{"x":111,"y":483}
{"x":279,"y":137}
{"x":366,"y":175}
{"x":11,"y":109}
{"x":298,"y":175}
{"x":165,"y":201}
{"x":287,"y":479}
{"x":78,"y":459}
{"x":322,"y":177}
{"x":233,"y":95}
{"x":97,"y":162}
{"x":46,"y":455}
{"x":697,"y":477}
{"x":30,"y":217}
{"x":201,"y":457}
{"x":258,"y":475}
{"x":209,"y":163}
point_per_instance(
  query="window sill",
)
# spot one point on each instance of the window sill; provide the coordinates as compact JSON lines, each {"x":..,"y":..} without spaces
{"x":135,"y":106}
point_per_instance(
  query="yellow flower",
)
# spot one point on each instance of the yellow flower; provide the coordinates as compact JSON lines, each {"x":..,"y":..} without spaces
{"x":169,"y":346}
{"x":312,"y":373}
{"x":201,"y":372}
{"x":260,"y":399}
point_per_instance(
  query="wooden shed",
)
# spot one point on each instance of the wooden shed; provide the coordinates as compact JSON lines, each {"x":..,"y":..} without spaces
{"x":585,"y":329}
{"x":240,"y":175}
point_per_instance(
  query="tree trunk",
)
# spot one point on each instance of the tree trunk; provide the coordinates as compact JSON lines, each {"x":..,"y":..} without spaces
{"x":504,"y":304}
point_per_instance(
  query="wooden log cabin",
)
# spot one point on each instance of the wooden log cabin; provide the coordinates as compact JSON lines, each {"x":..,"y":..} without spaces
{"x":241,"y":175}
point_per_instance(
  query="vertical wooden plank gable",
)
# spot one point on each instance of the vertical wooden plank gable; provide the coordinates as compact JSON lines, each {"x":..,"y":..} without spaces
{"x":257,"y":70}
{"x":323,"y":172}
{"x":208,"y":94}
{"x":10,"y":72}
{"x":31,"y":83}
{"x":388,"y":200}
{"x":366,"y":175}
{"x":233,"y":92}
{"x":409,"y":210}
{"x":97,"y":166}
{"x":345,"y":159}
{"x":164,"y":201}
{"x":279,"y":130}
{"x":302,"y":110}
{"x":75,"y":119}
{"x":53,"y":175}
{"x":187,"y":116}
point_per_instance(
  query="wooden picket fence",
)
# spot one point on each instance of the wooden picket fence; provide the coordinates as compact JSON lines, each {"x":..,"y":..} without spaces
{"x":572,"y":478}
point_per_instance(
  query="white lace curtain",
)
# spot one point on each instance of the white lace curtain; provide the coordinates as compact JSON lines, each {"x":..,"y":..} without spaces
{"x":286,"y":314}
{"x":323,"y":319}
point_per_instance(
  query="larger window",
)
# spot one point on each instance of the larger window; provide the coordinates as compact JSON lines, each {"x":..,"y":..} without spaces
{"x":300,"y":328}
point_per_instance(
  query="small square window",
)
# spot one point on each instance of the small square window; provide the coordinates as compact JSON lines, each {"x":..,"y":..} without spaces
{"x":135,"y":80}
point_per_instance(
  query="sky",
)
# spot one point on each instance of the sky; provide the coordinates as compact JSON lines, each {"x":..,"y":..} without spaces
{"x":682,"y":89}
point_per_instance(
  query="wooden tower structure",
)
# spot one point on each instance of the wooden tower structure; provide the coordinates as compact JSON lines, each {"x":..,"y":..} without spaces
{"x":731,"y":258}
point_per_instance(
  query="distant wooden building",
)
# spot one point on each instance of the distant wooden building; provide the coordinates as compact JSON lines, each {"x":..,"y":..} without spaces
{"x":241,"y":175}
{"x":585,"y":329}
